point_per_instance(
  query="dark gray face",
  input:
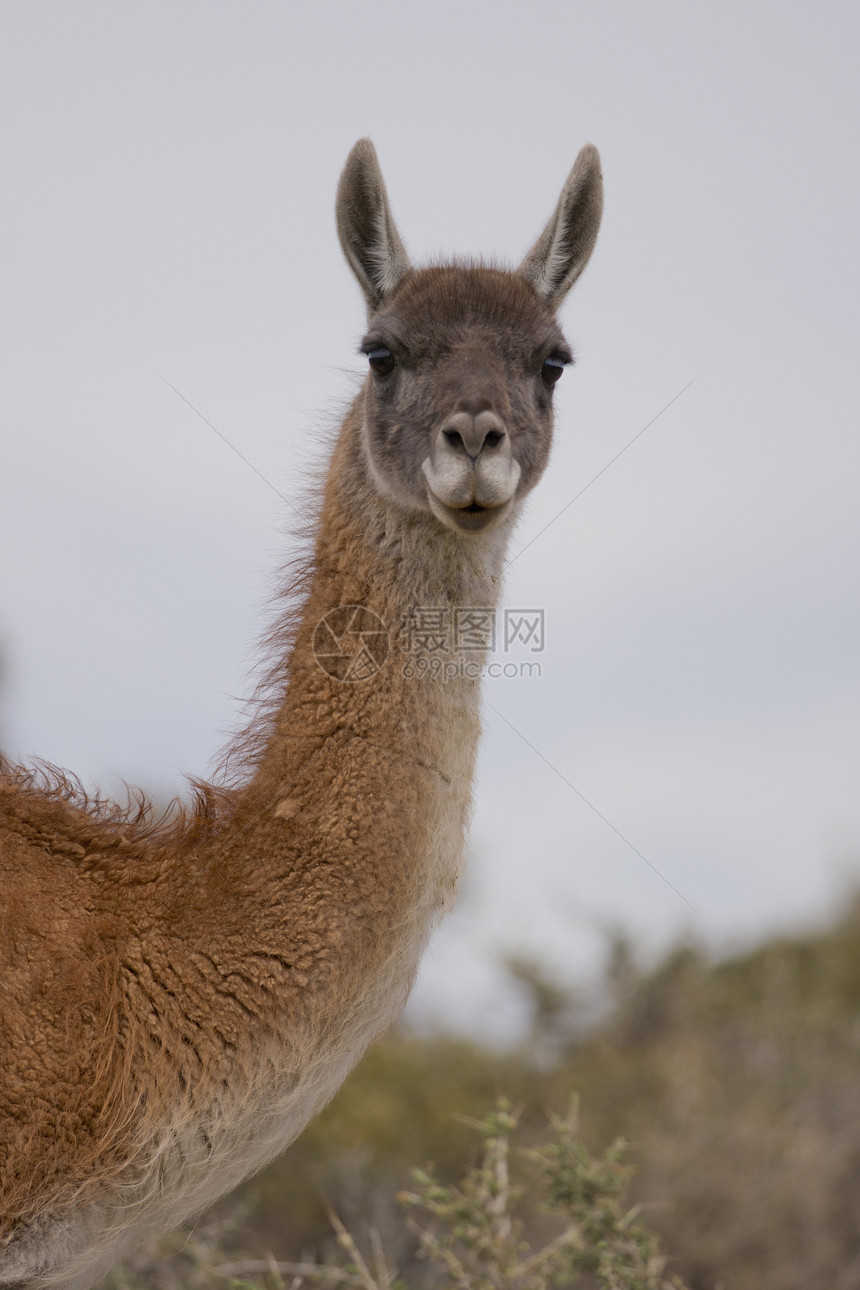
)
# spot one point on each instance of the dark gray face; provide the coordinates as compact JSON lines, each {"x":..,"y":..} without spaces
{"x":458,"y":402}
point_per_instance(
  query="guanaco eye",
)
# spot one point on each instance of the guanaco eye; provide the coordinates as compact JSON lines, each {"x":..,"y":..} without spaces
{"x":552,"y":369}
{"x":381,"y":360}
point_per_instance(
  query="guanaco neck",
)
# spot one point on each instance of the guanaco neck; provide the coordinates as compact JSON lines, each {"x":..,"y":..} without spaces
{"x":370,"y":553}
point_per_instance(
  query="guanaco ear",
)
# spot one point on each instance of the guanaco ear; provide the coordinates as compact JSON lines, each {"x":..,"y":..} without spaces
{"x":366,"y":230}
{"x":564,"y":247}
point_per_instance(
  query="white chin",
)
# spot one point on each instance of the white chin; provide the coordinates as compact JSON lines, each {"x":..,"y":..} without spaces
{"x":467,"y":519}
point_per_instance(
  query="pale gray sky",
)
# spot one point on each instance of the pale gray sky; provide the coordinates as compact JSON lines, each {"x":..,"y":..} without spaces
{"x":169,"y":174}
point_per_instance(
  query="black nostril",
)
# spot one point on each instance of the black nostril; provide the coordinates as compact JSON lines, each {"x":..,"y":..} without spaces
{"x":455,"y":439}
{"x":493,"y":438}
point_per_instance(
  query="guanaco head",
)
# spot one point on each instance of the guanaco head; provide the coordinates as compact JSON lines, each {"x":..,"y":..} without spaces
{"x":463,"y":359}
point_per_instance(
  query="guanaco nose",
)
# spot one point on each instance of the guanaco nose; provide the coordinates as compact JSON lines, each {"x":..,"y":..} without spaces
{"x":474,"y":432}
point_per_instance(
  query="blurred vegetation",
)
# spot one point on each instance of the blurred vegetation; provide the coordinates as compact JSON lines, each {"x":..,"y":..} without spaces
{"x":737,"y":1084}
{"x":474,"y":1239}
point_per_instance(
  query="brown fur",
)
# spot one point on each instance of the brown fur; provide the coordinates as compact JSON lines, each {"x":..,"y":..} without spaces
{"x":179,"y":996}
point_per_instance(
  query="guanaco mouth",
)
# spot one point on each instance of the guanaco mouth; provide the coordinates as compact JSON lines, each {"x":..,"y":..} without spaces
{"x":473,"y":518}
